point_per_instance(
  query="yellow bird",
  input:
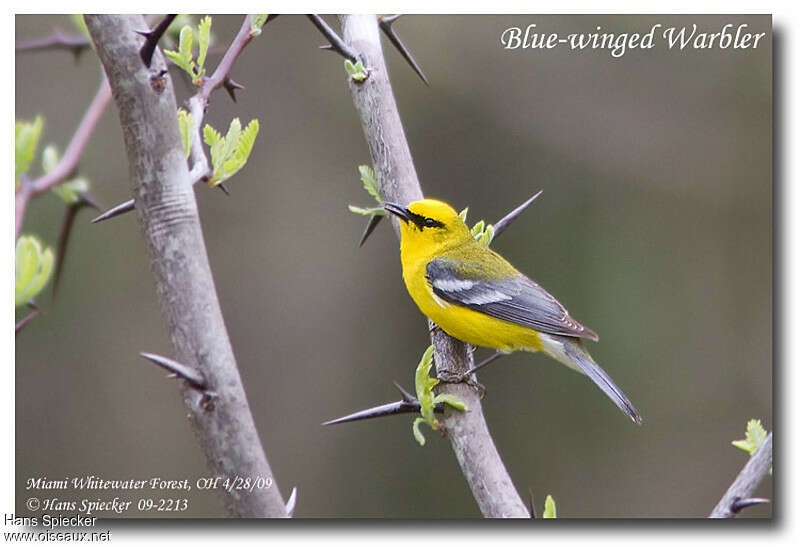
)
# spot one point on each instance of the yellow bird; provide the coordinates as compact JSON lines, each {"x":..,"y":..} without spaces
{"x":476,"y":296}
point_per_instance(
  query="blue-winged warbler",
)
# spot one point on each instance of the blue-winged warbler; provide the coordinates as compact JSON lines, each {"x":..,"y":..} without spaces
{"x":476,"y":296}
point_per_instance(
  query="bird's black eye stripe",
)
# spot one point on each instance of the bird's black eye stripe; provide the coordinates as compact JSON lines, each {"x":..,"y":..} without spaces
{"x":424,"y":222}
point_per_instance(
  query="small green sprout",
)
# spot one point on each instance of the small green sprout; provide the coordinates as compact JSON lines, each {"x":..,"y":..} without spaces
{"x":184,"y":57}
{"x":424,"y":385}
{"x":26,"y":142}
{"x":754,"y":436}
{"x":186,"y":125}
{"x":482,"y":232}
{"x":256,"y":22}
{"x":371,"y":186}
{"x":32,"y":269}
{"x":229,"y":153}
{"x":69,"y":191}
{"x":549,"y":508}
{"x":356,"y":71}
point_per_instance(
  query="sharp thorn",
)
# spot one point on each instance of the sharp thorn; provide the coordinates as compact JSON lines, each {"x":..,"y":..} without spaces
{"x":389,"y":19}
{"x":407,"y":397}
{"x":388,"y":409}
{"x":63,"y":240}
{"x":152,"y":37}
{"x":503,"y":223}
{"x":741,"y":503}
{"x":532,"y":507}
{"x":371,"y":225}
{"x":25,"y":320}
{"x":386,"y":27}
{"x":291,"y":503}
{"x":337,"y":44}
{"x":231,"y":86}
{"x":116,"y":211}
{"x":191,"y":375}
{"x":223,"y":188}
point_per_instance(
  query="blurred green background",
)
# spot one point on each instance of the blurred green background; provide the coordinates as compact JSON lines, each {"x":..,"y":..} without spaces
{"x":654,"y":229}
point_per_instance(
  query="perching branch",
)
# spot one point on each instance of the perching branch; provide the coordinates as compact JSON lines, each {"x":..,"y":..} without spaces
{"x":168,"y":216}
{"x":58,"y":40}
{"x":738,"y":495}
{"x":30,"y":188}
{"x":374,"y":101}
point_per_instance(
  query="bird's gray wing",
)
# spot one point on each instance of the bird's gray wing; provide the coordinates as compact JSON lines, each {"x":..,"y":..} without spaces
{"x":516,"y":299}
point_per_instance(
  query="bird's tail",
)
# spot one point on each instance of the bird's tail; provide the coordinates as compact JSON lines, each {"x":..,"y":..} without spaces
{"x":570,"y":351}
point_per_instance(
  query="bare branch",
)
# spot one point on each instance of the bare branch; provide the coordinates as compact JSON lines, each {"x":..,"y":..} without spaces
{"x":28,"y":189}
{"x":152,"y":37}
{"x":501,"y":225}
{"x":385,"y":22}
{"x":746,"y":482}
{"x":58,"y":40}
{"x":167,"y":211}
{"x":374,"y":101}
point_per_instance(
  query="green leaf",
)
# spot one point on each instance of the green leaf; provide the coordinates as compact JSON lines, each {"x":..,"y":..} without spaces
{"x":424,"y":385}
{"x":417,"y":433}
{"x":183,"y":57}
{"x":26,"y":141}
{"x":79,"y":23}
{"x":478,"y":228}
{"x":186,"y":125}
{"x":50,"y":158}
{"x":372,"y":211}
{"x":231,"y":152}
{"x":463,"y":214}
{"x":32,"y":269}
{"x":370,"y":182}
{"x":203,"y":38}
{"x":549,"y":508}
{"x":754,"y":436}
{"x":356,"y":71}
{"x":486,"y":237}
{"x":450,"y":400}
{"x":70,"y":191}
{"x":256,"y":22}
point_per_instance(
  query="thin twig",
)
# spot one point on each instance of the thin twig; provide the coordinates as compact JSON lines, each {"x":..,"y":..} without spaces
{"x":468,"y":433}
{"x":28,"y":189}
{"x":57,"y":40}
{"x":746,"y":482}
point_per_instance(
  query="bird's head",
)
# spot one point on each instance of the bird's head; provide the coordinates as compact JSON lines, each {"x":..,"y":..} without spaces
{"x":430,"y":223}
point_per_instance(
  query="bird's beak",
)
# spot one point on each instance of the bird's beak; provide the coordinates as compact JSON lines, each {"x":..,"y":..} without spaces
{"x":398,"y":211}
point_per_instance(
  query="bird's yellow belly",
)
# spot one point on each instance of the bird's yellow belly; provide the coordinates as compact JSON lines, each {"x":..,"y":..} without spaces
{"x":470,"y":326}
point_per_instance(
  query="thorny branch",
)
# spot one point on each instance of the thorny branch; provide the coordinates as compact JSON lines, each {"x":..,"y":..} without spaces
{"x":170,"y":224}
{"x":468,"y":433}
{"x":744,"y":485}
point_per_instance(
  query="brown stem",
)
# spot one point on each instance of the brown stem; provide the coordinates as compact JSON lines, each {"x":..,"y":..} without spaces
{"x":746,"y":481}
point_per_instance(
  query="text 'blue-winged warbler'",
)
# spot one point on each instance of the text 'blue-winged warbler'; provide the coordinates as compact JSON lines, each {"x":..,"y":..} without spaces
{"x":476,"y":296}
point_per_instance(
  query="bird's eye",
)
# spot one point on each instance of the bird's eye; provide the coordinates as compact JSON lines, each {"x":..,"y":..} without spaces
{"x":430,"y":223}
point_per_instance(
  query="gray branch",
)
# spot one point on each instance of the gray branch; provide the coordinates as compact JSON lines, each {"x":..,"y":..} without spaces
{"x":473,"y":446}
{"x":168,"y":217}
{"x":746,"y":482}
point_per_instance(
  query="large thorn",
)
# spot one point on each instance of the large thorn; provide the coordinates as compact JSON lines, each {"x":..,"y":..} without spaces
{"x":409,"y":404}
{"x":116,"y":211}
{"x":152,"y":37}
{"x":371,"y":225}
{"x":85,"y":200}
{"x":291,"y":503}
{"x":741,"y":503}
{"x":385,"y":22}
{"x":503,"y":223}
{"x":337,"y":44}
{"x":191,"y":375}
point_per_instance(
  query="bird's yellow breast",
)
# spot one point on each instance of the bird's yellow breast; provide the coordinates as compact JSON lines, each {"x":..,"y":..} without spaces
{"x":463,"y":323}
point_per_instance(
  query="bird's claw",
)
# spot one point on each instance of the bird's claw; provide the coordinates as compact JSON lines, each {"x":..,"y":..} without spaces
{"x":465,"y":378}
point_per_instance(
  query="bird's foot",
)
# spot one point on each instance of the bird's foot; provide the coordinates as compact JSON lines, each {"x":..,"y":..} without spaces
{"x":465,"y":378}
